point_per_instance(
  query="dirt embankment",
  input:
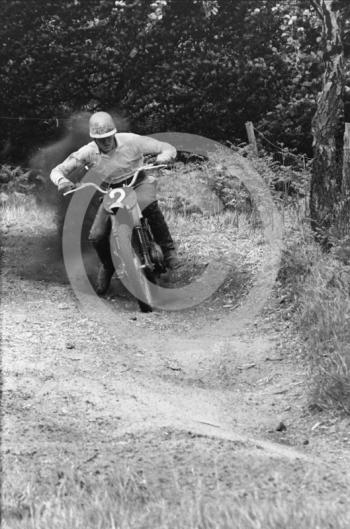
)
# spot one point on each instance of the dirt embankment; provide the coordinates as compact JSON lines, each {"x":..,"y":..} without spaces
{"x":161,"y":392}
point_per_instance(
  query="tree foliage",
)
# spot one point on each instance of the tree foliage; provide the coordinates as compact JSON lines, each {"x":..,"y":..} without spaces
{"x":201,"y":66}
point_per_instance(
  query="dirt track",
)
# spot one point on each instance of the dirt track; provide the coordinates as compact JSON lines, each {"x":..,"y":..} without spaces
{"x":159,"y":390}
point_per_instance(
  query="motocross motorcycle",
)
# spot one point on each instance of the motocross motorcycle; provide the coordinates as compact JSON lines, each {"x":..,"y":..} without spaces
{"x":138,"y":259}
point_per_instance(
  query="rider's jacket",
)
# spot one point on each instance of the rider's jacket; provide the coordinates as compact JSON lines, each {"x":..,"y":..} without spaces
{"x":124,"y":159}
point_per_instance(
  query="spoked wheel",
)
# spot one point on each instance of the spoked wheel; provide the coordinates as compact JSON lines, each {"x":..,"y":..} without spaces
{"x":136,"y":278}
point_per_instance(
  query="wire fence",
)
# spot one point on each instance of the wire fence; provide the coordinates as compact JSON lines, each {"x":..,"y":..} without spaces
{"x":284,"y":152}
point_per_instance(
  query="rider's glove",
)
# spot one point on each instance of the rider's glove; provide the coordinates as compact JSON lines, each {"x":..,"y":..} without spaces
{"x":164,"y":159}
{"x":65,"y":185}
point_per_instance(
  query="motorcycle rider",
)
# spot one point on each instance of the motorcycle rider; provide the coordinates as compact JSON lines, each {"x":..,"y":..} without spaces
{"x":127,"y":151}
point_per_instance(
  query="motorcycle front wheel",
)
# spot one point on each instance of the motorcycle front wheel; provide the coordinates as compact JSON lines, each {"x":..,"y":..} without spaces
{"x":136,"y":278}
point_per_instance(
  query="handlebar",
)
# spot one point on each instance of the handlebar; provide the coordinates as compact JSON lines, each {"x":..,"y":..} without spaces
{"x":136,"y":173}
{"x":86,"y":184}
{"x":144,"y":168}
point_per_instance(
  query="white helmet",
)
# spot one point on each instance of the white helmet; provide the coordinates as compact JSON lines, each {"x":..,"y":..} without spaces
{"x":101,"y":125}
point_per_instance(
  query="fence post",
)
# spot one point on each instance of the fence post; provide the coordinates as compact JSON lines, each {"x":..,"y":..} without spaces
{"x":251,"y":137}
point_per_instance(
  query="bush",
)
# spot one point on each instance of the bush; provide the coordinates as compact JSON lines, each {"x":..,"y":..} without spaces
{"x":190,"y":71}
{"x":15,"y":179}
{"x":228,"y":188}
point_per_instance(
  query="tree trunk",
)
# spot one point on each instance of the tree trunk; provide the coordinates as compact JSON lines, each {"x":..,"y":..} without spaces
{"x":326,"y":181}
{"x":346,"y":161}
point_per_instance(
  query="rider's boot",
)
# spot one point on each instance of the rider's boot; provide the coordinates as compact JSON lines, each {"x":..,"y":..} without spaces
{"x":106,"y":269}
{"x":104,"y":277}
{"x":162,"y":235}
{"x":171,"y":259}
{"x":99,"y":238}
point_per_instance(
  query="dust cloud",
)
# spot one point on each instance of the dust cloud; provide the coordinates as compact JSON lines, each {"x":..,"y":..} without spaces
{"x":47,"y":157}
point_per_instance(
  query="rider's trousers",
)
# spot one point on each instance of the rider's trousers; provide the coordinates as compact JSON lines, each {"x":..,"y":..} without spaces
{"x":101,"y":227}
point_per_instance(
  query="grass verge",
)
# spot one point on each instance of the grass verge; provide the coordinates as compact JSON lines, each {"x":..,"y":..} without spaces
{"x":125,"y":499}
{"x":316,"y":289}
